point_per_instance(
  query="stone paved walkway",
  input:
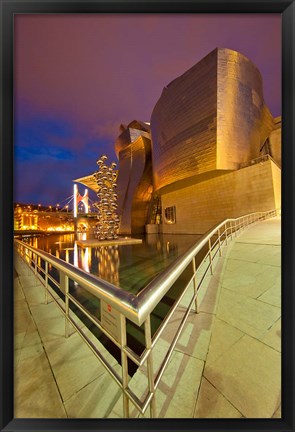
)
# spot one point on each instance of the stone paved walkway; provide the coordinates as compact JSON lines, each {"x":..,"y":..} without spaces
{"x":226,"y":363}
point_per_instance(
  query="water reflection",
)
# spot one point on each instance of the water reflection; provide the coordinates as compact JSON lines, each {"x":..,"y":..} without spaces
{"x":108,"y":263}
{"x":129,"y":266}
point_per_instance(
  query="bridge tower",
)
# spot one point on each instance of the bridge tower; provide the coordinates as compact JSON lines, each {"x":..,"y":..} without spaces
{"x":79,"y":198}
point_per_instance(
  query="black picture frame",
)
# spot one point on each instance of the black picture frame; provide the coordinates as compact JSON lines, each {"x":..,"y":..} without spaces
{"x":7,"y":10}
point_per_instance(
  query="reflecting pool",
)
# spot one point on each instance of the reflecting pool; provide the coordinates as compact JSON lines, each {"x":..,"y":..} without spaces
{"x":131,"y":267}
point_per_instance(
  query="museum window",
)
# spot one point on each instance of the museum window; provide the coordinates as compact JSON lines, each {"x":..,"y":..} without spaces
{"x":170,"y":215}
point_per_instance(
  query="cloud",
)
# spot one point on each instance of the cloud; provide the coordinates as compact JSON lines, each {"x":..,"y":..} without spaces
{"x":108,"y":129}
{"x":42,"y":153}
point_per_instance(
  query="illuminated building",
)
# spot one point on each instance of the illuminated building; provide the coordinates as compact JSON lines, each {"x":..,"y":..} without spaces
{"x":135,"y":184}
{"x":25,"y":219}
{"x":215,"y":151}
{"x":209,"y":129}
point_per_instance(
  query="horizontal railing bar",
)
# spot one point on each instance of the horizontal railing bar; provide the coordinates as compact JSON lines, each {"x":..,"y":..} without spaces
{"x":97,"y":323}
{"x":56,"y":301}
{"x":170,"y":313}
{"x":56,"y":283}
{"x":150,"y":296}
{"x":135,"y":400}
{"x":120,"y":299}
{"x":91,"y":345}
{"x":147,"y":401}
{"x":93,"y":319}
{"x":173,"y":344}
{"x":175,"y":339}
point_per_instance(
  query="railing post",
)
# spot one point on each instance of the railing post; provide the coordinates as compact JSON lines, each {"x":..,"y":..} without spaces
{"x":210,"y":255}
{"x":236,"y":228}
{"x":195,"y":284}
{"x":219,"y":242}
{"x":27,"y":260}
{"x":124,"y":363}
{"x":46,"y":282}
{"x":231,"y":229}
{"x":64,"y":286}
{"x":225,"y":230}
{"x":150,"y":369}
{"x":35,"y":268}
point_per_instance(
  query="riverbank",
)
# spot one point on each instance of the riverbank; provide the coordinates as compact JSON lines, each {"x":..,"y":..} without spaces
{"x":22,"y":233}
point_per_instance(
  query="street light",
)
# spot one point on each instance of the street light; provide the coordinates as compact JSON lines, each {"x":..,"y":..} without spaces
{"x":57,"y":205}
{"x":67,"y":207}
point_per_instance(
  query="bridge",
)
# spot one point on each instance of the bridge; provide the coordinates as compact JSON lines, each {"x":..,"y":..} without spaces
{"x":76,"y":212}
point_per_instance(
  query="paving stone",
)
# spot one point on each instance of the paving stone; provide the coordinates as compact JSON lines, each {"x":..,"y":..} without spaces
{"x":73,"y":364}
{"x":272,"y":337}
{"x":212,"y":404}
{"x":251,"y":279}
{"x":223,"y":337}
{"x":278,"y":413}
{"x":35,"y":391}
{"x":249,"y":376}
{"x":180,"y":385}
{"x":195,"y":338}
{"x":273,"y":294}
{"x":95,"y":400}
{"x":244,"y":251}
{"x":251,"y":316}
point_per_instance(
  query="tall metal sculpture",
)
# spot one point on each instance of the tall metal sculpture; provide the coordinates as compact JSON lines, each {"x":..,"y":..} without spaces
{"x":108,"y":220}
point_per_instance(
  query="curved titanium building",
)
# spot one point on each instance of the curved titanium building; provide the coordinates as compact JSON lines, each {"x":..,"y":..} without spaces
{"x":208,"y":123}
{"x":213,"y":117}
{"x":214,"y":151}
{"x":133,"y":149}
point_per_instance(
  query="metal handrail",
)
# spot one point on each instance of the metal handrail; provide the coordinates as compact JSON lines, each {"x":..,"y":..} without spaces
{"x":138,"y":308}
{"x":257,"y":160}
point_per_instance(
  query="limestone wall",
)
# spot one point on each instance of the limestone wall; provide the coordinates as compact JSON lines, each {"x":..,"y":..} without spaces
{"x":276,"y":174}
{"x":275,"y":141}
{"x":200,"y":206}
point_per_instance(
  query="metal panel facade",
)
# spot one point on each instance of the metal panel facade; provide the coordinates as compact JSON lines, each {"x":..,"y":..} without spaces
{"x":134,"y":184}
{"x":213,"y":117}
{"x":243,"y":120}
{"x":184,"y":124}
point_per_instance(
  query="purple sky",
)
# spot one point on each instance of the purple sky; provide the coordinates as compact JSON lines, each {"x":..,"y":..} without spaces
{"x":77,"y":77}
